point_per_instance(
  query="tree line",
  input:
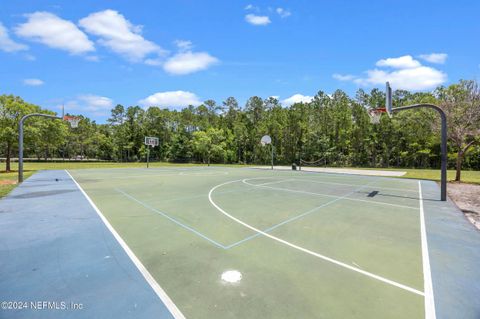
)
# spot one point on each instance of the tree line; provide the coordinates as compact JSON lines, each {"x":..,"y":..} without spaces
{"x":332,"y":129}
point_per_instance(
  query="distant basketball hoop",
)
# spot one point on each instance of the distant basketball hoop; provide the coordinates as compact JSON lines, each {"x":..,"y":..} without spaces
{"x":73,"y":120}
{"x":151,"y":142}
{"x":266,"y":140}
{"x":376,"y":114}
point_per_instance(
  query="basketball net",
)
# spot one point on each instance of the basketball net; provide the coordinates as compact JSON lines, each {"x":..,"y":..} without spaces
{"x":376,"y":114}
{"x":73,"y":120}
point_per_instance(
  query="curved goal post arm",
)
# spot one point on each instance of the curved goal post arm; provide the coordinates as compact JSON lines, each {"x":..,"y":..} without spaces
{"x":20,"y":140}
{"x":443,"y":144}
{"x":71,"y":119}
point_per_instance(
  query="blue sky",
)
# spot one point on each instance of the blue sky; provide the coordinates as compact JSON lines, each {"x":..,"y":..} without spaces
{"x":91,"y":55}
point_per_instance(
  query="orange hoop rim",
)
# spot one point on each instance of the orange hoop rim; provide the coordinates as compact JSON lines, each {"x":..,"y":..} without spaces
{"x":70,"y":117}
{"x":378,"y":110}
{"x":73,"y":120}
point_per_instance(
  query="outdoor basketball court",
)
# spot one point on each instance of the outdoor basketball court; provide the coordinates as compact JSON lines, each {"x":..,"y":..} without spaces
{"x":236,"y":243}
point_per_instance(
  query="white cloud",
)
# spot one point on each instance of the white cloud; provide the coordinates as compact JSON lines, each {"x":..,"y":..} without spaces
{"x":343,"y":77}
{"x":120,"y":35}
{"x":251,"y":7}
{"x":33,"y":82}
{"x":257,"y":20}
{"x":95,"y":102}
{"x":91,"y":104}
{"x":438,"y":58}
{"x":154,"y":62}
{"x":403,"y":62}
{"x":174,"y":99}
{"x":29,"y":57}
{"x":283,"y":13}
{"x":92,"y":58}
{"x":184,"y":45}
{"x":408,"y":74}
{"x":55,"y":32}
{"x":7,"y":44}
{"x":189,"y":62}
{"x":420,"y":78}
{"x":297,"y":98}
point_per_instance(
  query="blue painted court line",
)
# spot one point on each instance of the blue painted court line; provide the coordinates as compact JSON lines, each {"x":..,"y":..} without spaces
{"x":179,"y":223}
{"x":298,"y":216}
{"x":55,"y":248}
{"x":219,"y":245}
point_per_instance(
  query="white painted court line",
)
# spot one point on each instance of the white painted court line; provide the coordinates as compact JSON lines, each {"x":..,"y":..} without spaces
{"x":203,"y":173}
{"x":153,"y":209}
{"x":340,"y":175}
{"x":344,"y":184}
{"x":331,"y":260}
{"x":274,"y":182}
{"x":141,"y":176}
{"x":293,"y":218}
{"x":327,"y":195}
{"x":427,"y":275}
{"x":176,"y":313}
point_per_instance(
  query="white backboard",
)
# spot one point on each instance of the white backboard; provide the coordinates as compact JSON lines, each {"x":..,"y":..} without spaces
{"x":266,"y":140}
{"x":151,"y":141}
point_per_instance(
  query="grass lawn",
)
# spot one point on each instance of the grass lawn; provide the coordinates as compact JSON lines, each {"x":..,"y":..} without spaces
{"x":433,"y":174}
{"x":7,"y":180}
{"x":467,"y":176}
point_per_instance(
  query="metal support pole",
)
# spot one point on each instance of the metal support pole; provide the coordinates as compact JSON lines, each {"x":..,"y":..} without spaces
{"x":20,"y":141}
{"x":443,"y":144}
{"x":148,"y":155}
{"x":272,"y":154}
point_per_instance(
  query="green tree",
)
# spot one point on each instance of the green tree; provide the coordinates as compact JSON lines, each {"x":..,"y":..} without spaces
{"x":12,"y":109}
{"x":461,"y":104}
{"x":332,"y":128}
{"x":210,"y":143}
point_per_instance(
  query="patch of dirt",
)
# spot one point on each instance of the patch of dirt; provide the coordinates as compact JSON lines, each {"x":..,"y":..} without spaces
{"x":8,"y":182}
{"x":467,"y":198}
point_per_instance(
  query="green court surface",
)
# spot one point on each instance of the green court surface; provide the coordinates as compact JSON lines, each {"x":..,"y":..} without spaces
{"x":307,"y":245}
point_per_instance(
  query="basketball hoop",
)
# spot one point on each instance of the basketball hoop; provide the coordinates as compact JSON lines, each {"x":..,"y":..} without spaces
{"x":152,"y":141}
{"x":376,"y":114}
{"x":73,"y":120}
{"x":266,"y":140}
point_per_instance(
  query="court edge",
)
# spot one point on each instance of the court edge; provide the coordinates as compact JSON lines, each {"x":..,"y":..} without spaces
{"x":428,"y":288}
{"x":176,"y":313}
